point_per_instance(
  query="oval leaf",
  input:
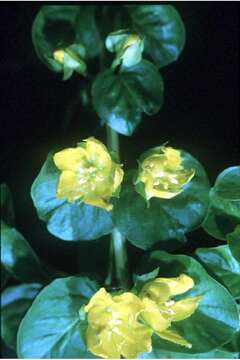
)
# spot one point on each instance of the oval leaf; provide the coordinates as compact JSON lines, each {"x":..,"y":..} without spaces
{"x":224,"y":208}
{"x":87,"y":32}
{"x":220,"y":264}
{"x":15,"y":301}
{"x":164,"y":219}
{"x":120,"y":99}
{"x":216,"y":319}
{"x":234,"y":243}
{"x":18,"y":258}
{"x":162,"y":29}
{"x":51,"y":328}
{"x":67,"y":221}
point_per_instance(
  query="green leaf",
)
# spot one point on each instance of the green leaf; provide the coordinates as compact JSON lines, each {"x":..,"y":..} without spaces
{"x":7,"y":211}
{"x":233,"y":240}
{"x":51,"y":328}
{"x":18,"y":258}
{"x":216,"y":319}
{"x":163,"y":220}
{"x":162,"y":29}
{"x":224,"y":208}
{"x":67,"y":221}
{"x":220,"y":264}
{"x":87,"y":32}
{"x":120,"y":99}
{"x":15,"y":301}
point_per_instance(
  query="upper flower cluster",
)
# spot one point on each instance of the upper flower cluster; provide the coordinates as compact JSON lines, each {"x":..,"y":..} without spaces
{"x":88,"y":173}
{"x":122,"y":325}
{"x":163,"y":174}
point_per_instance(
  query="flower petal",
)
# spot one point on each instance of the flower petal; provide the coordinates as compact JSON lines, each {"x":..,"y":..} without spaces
{"x":68,"y":187}
{"x":185,"y":308}
{"x":99,"y":202}
{"x":102,"y":344}
{"x":174,"y":337}
{"x":97,"y":154}
{"x":128,"y":305}
{"x":153,"y":317}
{"x":156,"y":291}
{"x":133,"y":340}
{"x":70,"y":159}
{"x":173,"y":157}
{"x":101,"y":297}
{"x":177,"y":285}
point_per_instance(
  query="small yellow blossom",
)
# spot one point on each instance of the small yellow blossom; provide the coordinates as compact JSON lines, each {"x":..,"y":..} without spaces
{"x":163,"y":174}
{"x":58,"y":55}
{"x":88,"y":173}
{"x":132,"y":39}
{"x":113,"y":330}
{"x":161,"y":310}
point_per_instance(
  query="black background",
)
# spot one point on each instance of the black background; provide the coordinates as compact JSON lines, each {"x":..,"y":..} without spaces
{"x":200,"y":114}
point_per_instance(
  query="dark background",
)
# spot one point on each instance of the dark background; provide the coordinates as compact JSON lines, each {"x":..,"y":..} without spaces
{"x":200,"y":115}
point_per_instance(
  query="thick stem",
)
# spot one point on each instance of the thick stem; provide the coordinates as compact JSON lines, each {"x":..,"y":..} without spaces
{"x":118,"y":246}
{"x":121,"y":260}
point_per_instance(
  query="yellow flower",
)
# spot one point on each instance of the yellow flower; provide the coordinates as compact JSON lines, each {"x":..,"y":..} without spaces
{"x":113,"y":330}
{"x":163,"y":174}
{"x":161,"y":310}
{"x":88,"y":173}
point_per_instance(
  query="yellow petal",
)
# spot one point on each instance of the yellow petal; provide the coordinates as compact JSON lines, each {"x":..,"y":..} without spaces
{"x":68,"y":187}
{"x":128,"y":305}
{"x":118,"y":177}
{"x":131,"y":40}
{"x":102,"y":344}
{"x":165,"y":194}
{"x":70,"y":159}
{"x":153,"y":317}
{"x":177,"y":285}
{"x":133,"y":340}
{"x":185,"y":308}
{"x":173,"y":157}
{"x":97,"y":154}
{"x":101,"y":297}
{"x":109,"y":345}
{"x":58,"y":55}
{"x":99,"y":202}
{"x":156,"y":291}
{"x":98,"y":316}
{"x":174,"y":337}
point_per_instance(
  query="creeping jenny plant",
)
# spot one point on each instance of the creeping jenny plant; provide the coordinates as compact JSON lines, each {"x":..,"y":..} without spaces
{"x":169,"y":305}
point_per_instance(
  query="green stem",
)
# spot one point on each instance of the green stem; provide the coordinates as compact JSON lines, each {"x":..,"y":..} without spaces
{"x":118,"y":246}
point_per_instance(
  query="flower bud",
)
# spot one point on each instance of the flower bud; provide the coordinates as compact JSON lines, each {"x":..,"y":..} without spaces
{"x":71,"y":59}
{"x":128,"y":47}
{"x":161,"y":174}
{"x":88,"y":174}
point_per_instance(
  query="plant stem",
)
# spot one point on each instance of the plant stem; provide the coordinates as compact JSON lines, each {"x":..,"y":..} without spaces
{"x":118,"y":246}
